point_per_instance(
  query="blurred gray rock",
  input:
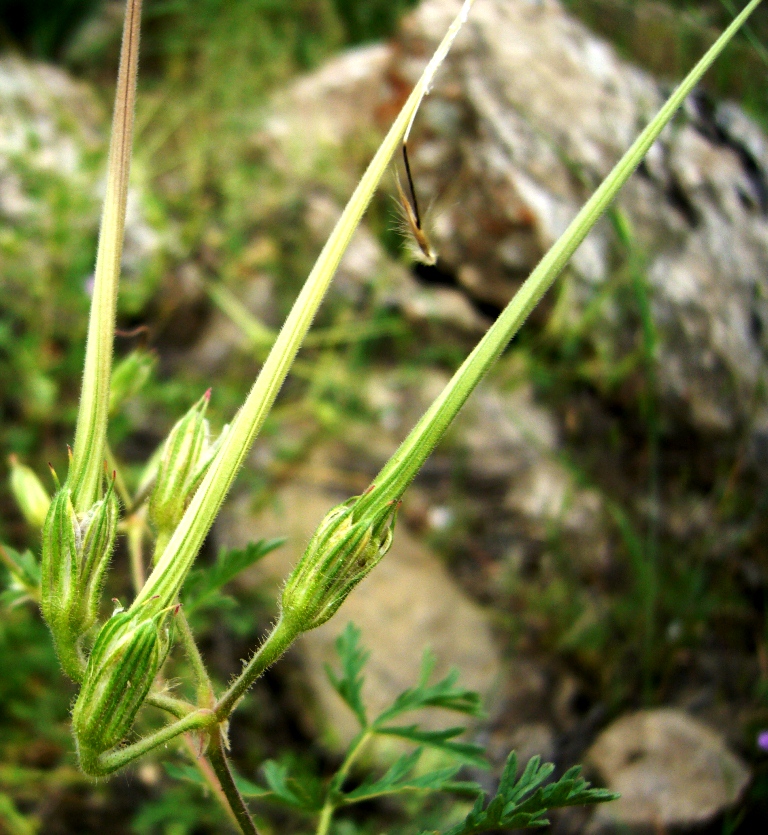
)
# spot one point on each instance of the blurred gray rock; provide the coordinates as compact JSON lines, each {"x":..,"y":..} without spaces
{"x":528,"y":114}
{"x":52,"y":125}
{"x":671,"y":771}
{"x":541,"y":99}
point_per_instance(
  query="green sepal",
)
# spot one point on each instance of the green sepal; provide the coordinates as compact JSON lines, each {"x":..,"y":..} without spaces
{"x":127,"y":655}
{"x":178,"y":473}
{"x":59,"y":578}
{"x":75,"y":557}
{"x":98,"y":532}
{"x":340,"y":554}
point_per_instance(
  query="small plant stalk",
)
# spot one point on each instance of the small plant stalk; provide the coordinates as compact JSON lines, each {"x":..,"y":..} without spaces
{"x":283,"y":634}
{"x":91,"y":432}
{"x":111,"y":761}
{"x":329,"y":807}
{"x":222,"y":771}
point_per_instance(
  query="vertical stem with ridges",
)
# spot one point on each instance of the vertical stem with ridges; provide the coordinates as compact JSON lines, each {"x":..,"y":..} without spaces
{"x":91,"y":433}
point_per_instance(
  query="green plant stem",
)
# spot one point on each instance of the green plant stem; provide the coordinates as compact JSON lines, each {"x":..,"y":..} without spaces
{"x":91,"y":431}
{"x":205,"y":768}
{"x":205,"y":692}
{"x":402,"y":467}
{"x":277,"y":642}
{"x":176,"y":707}
{"x":221,"y":768}
{"x":165,"y":581}
{"x":99,"y":765}
{"x":329,"y":807}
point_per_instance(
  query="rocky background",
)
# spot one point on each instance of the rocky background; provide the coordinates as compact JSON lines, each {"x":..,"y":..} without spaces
{"x":587,"y":545}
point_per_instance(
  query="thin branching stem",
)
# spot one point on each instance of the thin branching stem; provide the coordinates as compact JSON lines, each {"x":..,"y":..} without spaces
{"x":205,"y":692}
{"x":91,"y":432}
{"x":102,"y":764}
{"x":277,"y":642}
{"x":329,"y":807}
{"x":218,"y":759}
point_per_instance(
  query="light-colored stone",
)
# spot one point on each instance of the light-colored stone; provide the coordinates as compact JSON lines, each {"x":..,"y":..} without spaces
{"x":527,"y":97}
{"x":53,"y":125}
{"x":671,"y":771}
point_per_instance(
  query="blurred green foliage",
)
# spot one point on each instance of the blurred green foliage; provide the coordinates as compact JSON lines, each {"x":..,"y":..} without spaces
{"x":667,"y":36}
{"x":42,"y":27}
{"x":207,"y":64}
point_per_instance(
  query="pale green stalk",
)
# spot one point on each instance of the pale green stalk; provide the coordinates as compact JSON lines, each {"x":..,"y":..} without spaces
{"x":117,"y":758}
{"x":402,"y":467}
{"x":90,"y":436}
{"x":167,"y":578}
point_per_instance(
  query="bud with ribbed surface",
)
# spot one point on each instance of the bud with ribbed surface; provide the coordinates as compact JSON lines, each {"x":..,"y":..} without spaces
{"x":341,"y":552}
{"x":30,"y":495}
{"x":128,"y":653}
{"x":185,"y":458}
{"x":76,"y":553}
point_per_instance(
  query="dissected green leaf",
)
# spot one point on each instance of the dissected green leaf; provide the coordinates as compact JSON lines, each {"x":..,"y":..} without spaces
{"x":443,"y":694}
{"x":523,"y":803}
{"x":442,"y":740}
{"x":350,"y":684}
{"x":398,"y":779}
{"x":203,"y":585}
{"x":304,"y":794}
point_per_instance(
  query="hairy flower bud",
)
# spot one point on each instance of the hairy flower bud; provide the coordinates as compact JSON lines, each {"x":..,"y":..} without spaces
{"x":186,"y":455}
{"x":341,"y":552}
{"x":75,"y":557}
{"x":127,"y":655}
{"x":30,"y":495}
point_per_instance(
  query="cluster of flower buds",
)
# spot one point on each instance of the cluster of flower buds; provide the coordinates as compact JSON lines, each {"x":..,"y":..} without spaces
{"x":76,"y":552}
{"x":127,"y":655}
{"x":342,"y":551}
{"x":186,"y":456}
{"x":28,"y":491}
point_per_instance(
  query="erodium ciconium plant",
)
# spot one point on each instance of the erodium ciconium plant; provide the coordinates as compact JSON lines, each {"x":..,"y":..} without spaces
{"x":118,"y":663}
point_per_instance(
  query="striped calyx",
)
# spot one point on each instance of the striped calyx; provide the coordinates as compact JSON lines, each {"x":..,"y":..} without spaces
{"x":341,"y":552}
{"x":186,"y":456}
{"x":127,"y":655}
{"x":75,"y":555}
